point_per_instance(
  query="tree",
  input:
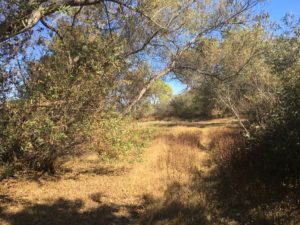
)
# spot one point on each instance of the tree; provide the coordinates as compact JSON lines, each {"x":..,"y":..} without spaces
{"x":236,"y":73}
{"x":19,"y":16}
{"x":63,"y":93}
{"x":146,"y":28}
{"x":160,"y":93}
{"x":221,"y":15}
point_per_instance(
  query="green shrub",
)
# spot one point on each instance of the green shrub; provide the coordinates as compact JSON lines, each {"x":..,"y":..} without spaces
{"x":114,"y":136}
{"x":190,"y":105}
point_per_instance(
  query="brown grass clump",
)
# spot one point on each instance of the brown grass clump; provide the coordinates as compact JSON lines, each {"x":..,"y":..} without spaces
{"x":228,"y":147}
{"x":187,"y":138}
{"x":181,"y":203}
{"x":243,"y":190}
{"x":181,"y":154}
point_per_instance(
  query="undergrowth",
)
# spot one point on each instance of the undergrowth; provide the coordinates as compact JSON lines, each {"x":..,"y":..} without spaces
{"x":250,"y":188}
{"x":119,"y":138}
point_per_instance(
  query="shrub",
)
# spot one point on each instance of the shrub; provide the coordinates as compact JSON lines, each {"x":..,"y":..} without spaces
{"x":114,"y":136}
{"x":191,"y":104}
{"x":256,"y":178}
{"x":268,"y":157}
{"x":8,"y":171}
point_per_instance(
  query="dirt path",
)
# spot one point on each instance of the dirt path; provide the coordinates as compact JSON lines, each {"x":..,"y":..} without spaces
{"x":90,"y":192}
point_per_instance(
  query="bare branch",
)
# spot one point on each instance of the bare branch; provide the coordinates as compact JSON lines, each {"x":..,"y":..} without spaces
{"x":108,"y":19}
{"x":75,"y":16}
{"x":145,"y":44}
{"x":12,"y":27}
{"x":229,"y":105}
{"x":53,"y":29}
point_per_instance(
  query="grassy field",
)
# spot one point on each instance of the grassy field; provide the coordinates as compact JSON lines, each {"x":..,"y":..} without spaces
{"x":173,"y":183}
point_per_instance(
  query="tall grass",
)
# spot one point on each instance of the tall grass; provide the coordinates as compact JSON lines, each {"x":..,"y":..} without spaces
{"x":180,"y":204}
{"x":249,"y":187}
{"x":181,"y":153}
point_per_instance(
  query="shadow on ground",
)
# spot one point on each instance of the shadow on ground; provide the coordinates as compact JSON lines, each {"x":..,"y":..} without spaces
{"x":172,"y":209}
{"x":247,"y":201}
{"x":176,"y":207}
{"x":97,"y":171}
{"x":62,"y":211}
{"x":216,"y":197}
{"x":64,"y":173}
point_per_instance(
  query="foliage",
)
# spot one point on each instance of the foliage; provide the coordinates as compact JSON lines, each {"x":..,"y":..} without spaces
{"x":7,"y":171}
{"x":189,"y":105}
{"x":62,"y":93}
{"x":157,"y":97}
{"x":114,"y":137}
{"x":160,"y":92}
{"x":280,"y":141}
{"x":232,"y":73}
{"x":263,"y":172}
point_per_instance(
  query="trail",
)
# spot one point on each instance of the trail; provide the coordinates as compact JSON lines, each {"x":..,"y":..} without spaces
{"x":92,"y":192}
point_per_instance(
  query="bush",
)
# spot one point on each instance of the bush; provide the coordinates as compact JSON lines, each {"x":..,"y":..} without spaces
{"x":8,"y":171}
{"x":114,"y":137}
{"x":190,"y":105}
{"x":270,"y":157}
{"x":273,"y":153}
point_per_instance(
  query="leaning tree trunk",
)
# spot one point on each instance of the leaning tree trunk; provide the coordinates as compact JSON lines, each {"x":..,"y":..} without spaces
{"x":237,"y":116}
{"x":248,"y":4}
{"x":147,"y":87}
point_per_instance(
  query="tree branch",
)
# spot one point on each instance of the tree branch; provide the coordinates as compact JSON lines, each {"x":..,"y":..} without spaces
{"x":20,"y":24}
{"x":53,"y":29}
{"x":139,"y":12}
{"x":145,"y":44}
{"x":248,"y":4}
{"x":75,"y":16}
{"x":147,"y":87}
{"x":10,"y":28}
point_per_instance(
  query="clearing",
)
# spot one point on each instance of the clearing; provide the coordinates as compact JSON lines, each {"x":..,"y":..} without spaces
{"x":164,"y":187}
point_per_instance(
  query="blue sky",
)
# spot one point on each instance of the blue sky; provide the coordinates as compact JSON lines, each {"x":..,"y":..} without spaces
{"x":276,"y":9}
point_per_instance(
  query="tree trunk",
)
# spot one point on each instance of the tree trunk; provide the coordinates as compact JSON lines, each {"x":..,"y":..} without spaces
{"x":147,"y":87}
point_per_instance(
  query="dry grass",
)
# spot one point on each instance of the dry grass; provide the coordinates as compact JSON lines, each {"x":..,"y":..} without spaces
{"x":181,"y":152}
{"x":174,"y":183}
{"x":241,"y":193}
{"x":181,"y":159}
{"x":124,"y":189}
{"x":227,"y":146}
